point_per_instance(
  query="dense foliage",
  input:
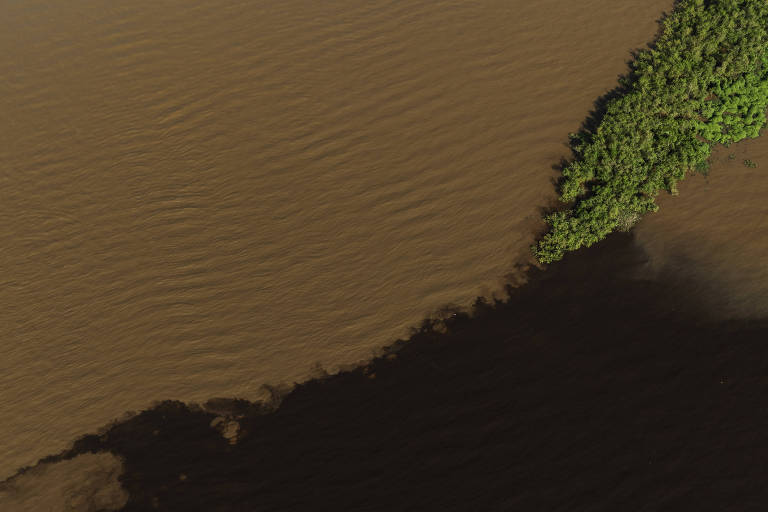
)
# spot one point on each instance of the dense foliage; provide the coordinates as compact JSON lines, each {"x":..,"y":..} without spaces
{"x":704,"y":81}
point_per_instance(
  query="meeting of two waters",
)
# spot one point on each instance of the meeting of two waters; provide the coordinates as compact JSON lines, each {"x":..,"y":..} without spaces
{"x":201,"y":198}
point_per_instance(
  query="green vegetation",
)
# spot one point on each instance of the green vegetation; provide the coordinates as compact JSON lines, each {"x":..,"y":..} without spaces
{"x":704,"y":82}
{"x":750,"y":164}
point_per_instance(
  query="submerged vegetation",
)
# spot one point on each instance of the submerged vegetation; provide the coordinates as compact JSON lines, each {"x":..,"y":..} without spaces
{"x":703,"y":82}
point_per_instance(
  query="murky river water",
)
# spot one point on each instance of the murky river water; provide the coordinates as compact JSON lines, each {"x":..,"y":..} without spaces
{"x":200,"y":198}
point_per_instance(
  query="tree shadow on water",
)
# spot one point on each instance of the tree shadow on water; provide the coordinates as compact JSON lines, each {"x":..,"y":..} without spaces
{"x":589,"y":388}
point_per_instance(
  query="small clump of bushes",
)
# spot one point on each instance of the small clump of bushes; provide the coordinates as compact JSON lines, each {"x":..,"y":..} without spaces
{"x":703,"y":82}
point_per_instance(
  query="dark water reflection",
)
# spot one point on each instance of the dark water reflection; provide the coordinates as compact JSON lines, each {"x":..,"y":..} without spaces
{"x":589,"y":389}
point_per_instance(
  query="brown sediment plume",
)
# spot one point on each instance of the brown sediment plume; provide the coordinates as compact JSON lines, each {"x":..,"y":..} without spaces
{"x":87,"y":482}
{"x":715,"y":232}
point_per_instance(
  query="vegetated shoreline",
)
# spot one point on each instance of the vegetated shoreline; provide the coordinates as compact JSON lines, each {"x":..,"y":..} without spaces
{"x":590,"y":387}
{"x":703,"y":82}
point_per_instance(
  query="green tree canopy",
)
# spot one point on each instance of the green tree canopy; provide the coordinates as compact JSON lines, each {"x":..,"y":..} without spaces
{"x":703,"y":82}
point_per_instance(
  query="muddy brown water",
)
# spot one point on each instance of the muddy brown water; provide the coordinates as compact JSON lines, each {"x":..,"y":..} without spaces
{"x":715,"y":233}
{"x":200,"y":198}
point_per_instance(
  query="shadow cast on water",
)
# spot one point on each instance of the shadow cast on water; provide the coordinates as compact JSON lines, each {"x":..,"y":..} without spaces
{"x":588,"y":389}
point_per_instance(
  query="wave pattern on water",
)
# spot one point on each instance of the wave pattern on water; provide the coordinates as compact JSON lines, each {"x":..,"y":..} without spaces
{"x":198,"y":198}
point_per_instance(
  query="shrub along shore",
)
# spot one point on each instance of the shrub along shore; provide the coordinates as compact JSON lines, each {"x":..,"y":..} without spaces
{"x":703,"y":82}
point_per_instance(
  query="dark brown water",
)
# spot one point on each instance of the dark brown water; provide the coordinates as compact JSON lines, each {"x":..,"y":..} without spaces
{"x":590,"y":389}
{"x":200,"y":198}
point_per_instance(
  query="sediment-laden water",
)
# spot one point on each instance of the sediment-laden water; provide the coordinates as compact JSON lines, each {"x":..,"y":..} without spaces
{"x":200,"y":198}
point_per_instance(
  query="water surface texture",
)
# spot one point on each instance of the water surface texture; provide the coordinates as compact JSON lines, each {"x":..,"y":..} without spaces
{"x":199,"y":198}
{"x":715,"y":233}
